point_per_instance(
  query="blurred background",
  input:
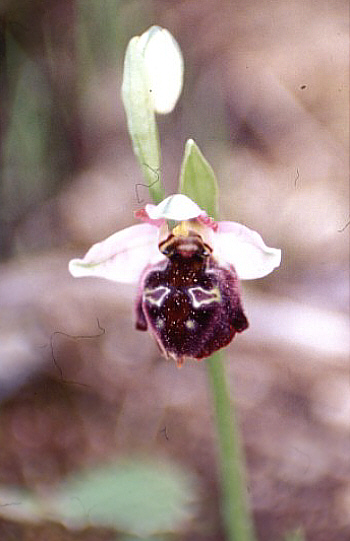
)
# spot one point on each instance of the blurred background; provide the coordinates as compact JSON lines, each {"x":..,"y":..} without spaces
{"x":266,"y":98}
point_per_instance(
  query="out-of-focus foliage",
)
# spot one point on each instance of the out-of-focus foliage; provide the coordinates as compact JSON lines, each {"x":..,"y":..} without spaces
{"x":48,"y":51}
{"x":137,"y":497}
{"x":27,"y":170}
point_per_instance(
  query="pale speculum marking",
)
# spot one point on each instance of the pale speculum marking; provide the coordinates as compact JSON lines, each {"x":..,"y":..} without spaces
{"x":156,"y":295}
{"x":190,"y":324}
{"x":160,"y":323}
{"x":201,"y":296}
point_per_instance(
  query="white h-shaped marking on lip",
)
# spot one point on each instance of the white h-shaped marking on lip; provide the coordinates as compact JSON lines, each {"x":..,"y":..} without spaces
{"x":213,"y":295}
{"x":149,"y":294}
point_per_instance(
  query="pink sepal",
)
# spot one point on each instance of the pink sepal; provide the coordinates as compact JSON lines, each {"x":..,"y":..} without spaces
{"x":121,"y":257}
{"x":245,"y":250}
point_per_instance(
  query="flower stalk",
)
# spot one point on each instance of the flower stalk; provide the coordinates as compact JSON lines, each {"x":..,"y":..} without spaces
{"x":234,"y":504}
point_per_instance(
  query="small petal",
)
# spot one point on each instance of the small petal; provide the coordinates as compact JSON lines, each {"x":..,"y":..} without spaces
{"x":245,"y":250}
{"x":142,"y":215}
{"x":164,"y":65}
{"x":122,"y":257}
{"x":175,"y":207}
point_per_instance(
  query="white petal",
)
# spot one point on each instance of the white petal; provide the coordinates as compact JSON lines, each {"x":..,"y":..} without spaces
{"x":175,"y":207}
{"x":121,"y":257}
{"x":245,"y":250}
{"x":164,"y":65}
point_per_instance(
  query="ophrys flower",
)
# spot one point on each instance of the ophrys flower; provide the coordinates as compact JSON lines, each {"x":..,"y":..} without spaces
{"x":188,"y":268}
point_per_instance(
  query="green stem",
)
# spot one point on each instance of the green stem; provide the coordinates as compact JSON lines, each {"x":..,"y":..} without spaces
{"x":235,"y":510}
{"x":155,"y":188}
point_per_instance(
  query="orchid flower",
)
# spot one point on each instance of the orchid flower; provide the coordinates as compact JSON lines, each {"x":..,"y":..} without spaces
{"x":188,"y":274}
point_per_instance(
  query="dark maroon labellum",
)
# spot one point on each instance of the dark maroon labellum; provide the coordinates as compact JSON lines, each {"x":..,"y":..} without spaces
{"x":191,"y":303}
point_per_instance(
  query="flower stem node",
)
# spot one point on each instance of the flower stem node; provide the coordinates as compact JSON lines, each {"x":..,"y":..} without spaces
{"x":189,"y":292}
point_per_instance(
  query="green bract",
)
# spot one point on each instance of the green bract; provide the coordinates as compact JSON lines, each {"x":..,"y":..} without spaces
{"x":197,"y":179}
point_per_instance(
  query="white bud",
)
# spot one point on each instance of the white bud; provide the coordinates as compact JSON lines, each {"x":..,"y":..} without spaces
{"x":163,"y":63}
